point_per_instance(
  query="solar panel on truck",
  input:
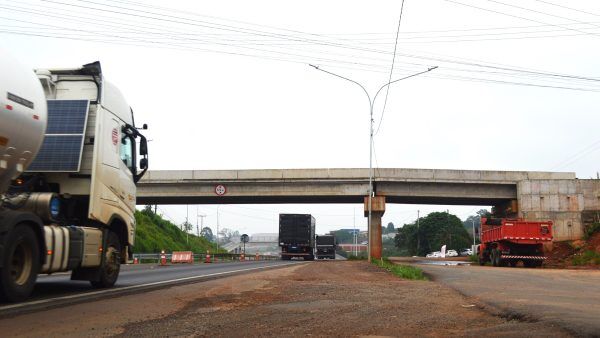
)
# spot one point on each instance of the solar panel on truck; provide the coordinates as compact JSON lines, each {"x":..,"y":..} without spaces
{"x":63,"y":143}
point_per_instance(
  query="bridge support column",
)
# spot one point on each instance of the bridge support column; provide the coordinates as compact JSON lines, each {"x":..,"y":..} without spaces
{"x":377,"y":211}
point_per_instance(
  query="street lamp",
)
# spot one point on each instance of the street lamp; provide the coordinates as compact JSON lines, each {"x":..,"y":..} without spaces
{"x":371,"y":121}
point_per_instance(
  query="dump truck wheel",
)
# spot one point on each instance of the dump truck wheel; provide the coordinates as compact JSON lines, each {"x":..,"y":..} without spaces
{"x":21,"y":264}
{"x":481,"y":260}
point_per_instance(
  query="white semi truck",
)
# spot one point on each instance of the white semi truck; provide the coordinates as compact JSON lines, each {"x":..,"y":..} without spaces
{"x":70,"y":158}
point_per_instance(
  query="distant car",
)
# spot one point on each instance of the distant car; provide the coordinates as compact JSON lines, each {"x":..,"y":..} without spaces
{"x":435,"y":254}
{"x":466,"y":252}
{"x":451,"y":253}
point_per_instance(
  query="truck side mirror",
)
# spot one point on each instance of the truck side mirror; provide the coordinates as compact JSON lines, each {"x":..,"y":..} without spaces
{"x":144,"y":163}
{"x":143,"y":147}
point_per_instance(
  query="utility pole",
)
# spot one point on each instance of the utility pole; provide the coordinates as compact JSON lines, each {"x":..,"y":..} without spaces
{"x":201,"y":224}
{"x":371,"y":122}
{"x":418,"y":231}
{"x":473,"y":221}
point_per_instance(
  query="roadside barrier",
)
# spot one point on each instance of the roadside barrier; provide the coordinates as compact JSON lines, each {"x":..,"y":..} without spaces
{"x":163,"y":258}
{"x":182,"y":257}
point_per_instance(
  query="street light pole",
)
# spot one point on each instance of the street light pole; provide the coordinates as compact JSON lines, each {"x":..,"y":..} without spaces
{"x":371,"y":122}
{"x":218,"y":206}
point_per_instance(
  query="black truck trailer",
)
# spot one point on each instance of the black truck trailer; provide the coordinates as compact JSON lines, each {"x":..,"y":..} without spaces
{"x":297,"y":236}
{"x":326,"y":246}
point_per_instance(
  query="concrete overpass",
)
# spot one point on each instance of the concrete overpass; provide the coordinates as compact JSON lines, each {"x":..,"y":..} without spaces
{"x":559,"y":196}
{"x":416,"y":186}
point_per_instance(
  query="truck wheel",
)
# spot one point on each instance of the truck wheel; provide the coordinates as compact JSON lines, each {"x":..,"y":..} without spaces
{"x":21,"y":264}
{"x":109,"y":271}
{"x":493,"y":257}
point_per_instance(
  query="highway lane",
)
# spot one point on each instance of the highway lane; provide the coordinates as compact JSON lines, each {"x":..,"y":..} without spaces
{"x":568,"y":298}
{"x":58,"y":290}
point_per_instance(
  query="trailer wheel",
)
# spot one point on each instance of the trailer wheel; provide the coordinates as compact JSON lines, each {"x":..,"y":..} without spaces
{"x":21,"y":264}
{"x":109,"y":271}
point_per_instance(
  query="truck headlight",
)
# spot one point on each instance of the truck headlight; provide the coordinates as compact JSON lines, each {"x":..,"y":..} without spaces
{"x":54,"y":207}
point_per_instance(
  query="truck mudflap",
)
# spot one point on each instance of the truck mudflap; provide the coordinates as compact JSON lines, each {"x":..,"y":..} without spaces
{"x":522,"y":257}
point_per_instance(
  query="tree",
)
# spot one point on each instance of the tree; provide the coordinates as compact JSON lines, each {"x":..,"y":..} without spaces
{"x":207,"y":233}
{"x":390,"y":228}
{"x":435,"y":230}
{"x":186,"y":226}
{"x":474,"y":219}
{"x":343,"y":236}
{"x":227,"y":235}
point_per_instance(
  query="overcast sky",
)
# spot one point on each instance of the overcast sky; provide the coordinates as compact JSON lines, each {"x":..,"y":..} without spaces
{"x":226,"y":85}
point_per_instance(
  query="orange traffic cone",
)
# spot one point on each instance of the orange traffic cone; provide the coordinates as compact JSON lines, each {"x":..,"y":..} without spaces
{"x":163,"y":258}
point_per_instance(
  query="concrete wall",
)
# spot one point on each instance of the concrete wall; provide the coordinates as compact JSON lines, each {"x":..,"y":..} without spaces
{"x":570,"y":204}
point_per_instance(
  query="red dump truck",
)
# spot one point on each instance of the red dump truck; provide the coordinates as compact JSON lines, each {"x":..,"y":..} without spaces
{"x":507,"y":241}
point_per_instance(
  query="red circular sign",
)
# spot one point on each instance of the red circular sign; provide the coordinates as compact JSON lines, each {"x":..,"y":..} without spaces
{"x":220,"y":190}
{"x":115,"y":136}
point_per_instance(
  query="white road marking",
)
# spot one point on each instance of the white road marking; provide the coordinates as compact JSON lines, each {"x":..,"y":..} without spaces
{"x":133,"y":287}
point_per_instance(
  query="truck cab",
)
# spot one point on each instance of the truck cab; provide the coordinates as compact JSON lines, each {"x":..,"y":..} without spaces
{"x":74,"y":200}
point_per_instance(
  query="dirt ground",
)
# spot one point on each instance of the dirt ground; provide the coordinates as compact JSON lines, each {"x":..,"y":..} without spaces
{"x":339,"y":298}
{"x":563,"y":252}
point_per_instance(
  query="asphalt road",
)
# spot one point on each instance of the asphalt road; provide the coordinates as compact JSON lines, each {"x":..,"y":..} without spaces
{"x":568,"y":298}
{"x":58,"y":290}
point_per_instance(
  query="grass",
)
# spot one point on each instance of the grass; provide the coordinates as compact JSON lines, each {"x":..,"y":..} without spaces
{"x":474,"y":258}
{"x":357,"y":258}
{"x":589,"y":257}
{"x":402,"y":271}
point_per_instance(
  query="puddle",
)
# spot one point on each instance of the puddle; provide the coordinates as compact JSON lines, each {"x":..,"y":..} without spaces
{"x":443,"y":262}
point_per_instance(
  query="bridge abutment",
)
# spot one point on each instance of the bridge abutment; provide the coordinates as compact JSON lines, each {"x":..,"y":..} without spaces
{"x":570,"y":204}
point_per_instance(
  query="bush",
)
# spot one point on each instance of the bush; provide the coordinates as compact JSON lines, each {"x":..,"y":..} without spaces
{"x":591,"y":229}
{"x":402,"y":271}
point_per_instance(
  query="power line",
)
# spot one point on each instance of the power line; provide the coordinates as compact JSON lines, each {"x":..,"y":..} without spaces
{"x":536,"y":11}
{"x":254,"y":32}
{"x":565,"y":7}
{"x":387,"y":90}
{"x":515,"y":16}
{"x":332,"y":62}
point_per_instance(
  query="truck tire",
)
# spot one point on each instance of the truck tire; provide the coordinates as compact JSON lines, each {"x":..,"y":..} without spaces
{"x":481,"y":260}
{"x":21,"y":264}
{"x":109,"y":271}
